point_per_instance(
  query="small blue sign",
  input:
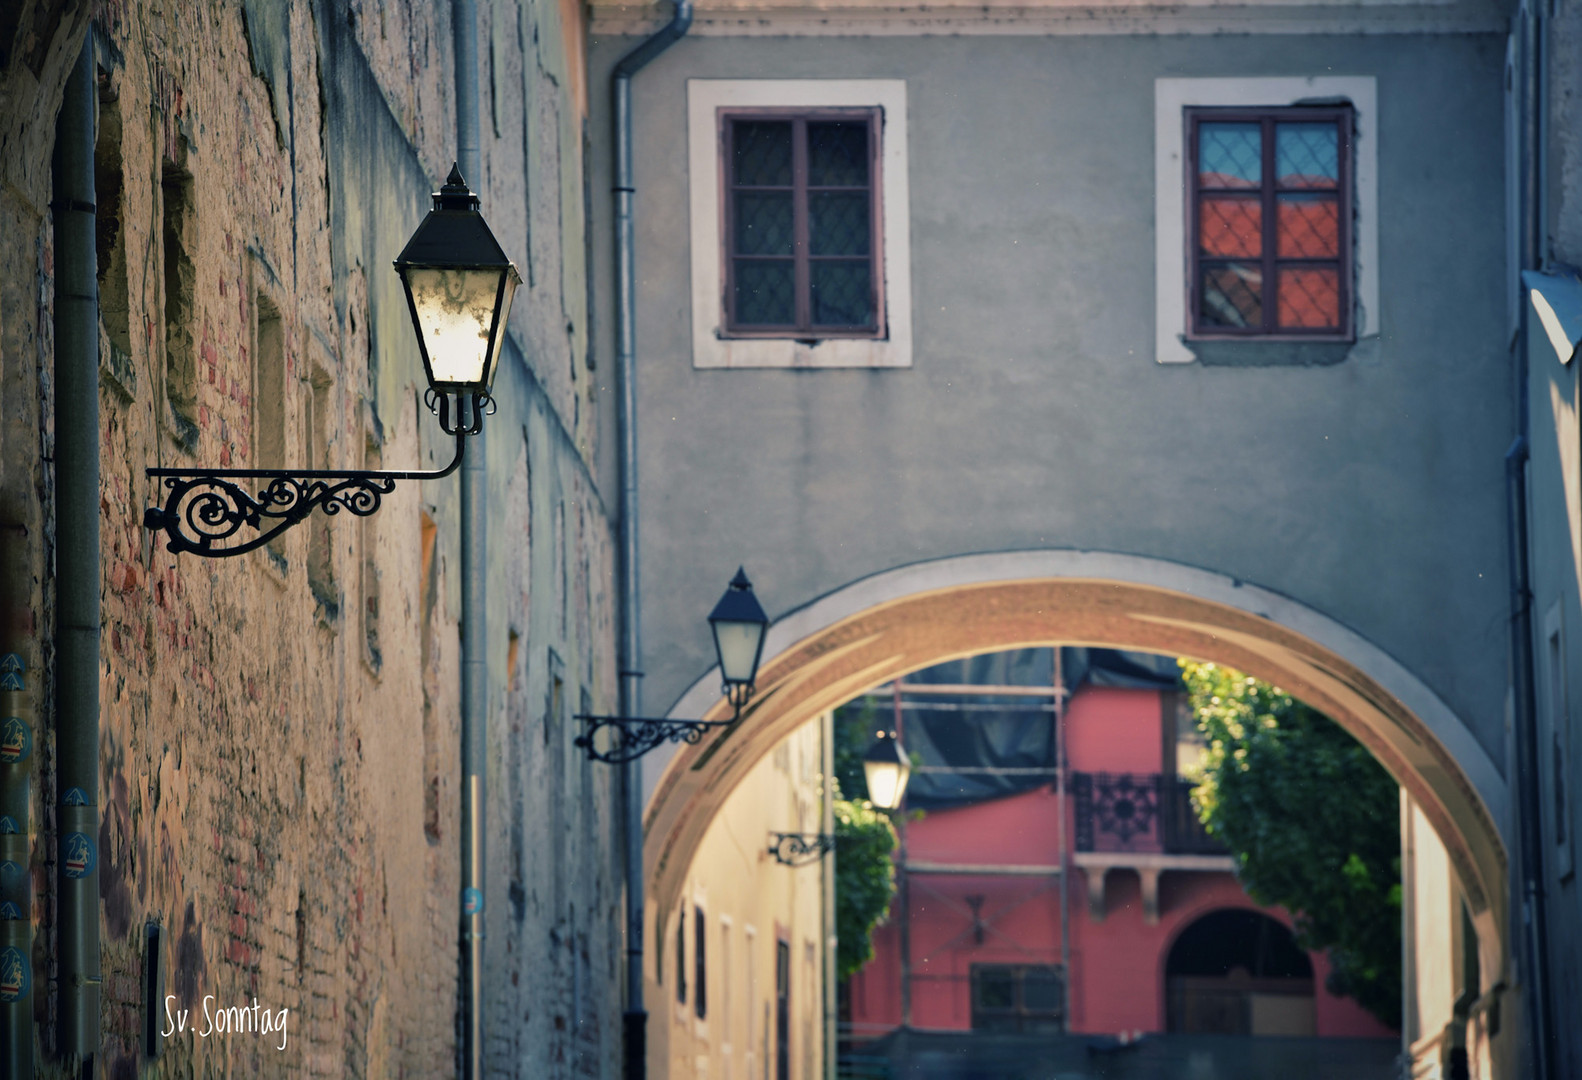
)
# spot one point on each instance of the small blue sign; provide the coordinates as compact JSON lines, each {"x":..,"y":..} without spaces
{"x":8,"y":910}
{"x":9,"y":871}
{"x":8,"y":826}
{"x":75,"y":797}
{"x":471,"y":901}
{"x":16,"y":740}
{"x":11,"y":680}
{"x":81,"y":855}
{"x":16,"y":975}
{"x":12,"y":662}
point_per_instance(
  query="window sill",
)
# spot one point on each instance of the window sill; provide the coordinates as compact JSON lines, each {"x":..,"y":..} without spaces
{"x":738,"y":352}
{"x":1269,"y":351}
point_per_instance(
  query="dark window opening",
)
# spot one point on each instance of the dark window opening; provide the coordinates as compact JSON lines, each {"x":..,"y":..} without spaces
{"x":700,"y":981}
{"x":681,"y":956}
{"x":1018,"y":997}
{"x":1270,"y":212}
{"x":802,"y":229}
{"x":180,"y":279}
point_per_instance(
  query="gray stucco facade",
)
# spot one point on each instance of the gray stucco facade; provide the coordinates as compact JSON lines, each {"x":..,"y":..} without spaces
{"x":1366,"y":483}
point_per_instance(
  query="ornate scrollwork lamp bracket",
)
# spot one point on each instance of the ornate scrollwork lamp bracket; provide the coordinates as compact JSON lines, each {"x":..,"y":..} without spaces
{"x":629,"y":738}
{"x":800,"y":849}
{"x":206,"y":510}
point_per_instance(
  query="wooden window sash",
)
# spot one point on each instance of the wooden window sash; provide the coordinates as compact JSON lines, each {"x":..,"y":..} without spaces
{"x":804,"y":328}
{"x":1268,"y":191}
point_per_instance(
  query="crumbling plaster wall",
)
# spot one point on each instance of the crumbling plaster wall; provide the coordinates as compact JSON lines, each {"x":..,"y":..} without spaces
{"x":279,"y":784}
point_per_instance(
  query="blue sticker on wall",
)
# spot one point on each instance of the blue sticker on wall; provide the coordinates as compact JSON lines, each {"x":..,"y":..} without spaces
{"x":9,"y":872}
{"x":471,"y":901}
{"x":11,"y":680}
{"x":8,"y":910}
{"x":8,"y":826}
{"x":16,"y":975}
{"x":16,"y":740}
{"x":81,"y":855}
{"x":12,"y":662}
{"x":75,"y":797}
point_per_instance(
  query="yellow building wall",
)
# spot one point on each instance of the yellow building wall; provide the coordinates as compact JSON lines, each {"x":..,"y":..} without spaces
{"x":748,"y":907}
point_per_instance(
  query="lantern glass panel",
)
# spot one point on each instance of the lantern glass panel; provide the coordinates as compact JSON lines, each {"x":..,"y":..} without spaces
{"x":738,"y":644}
{"x":455,"y":313}
{"x":886,"y":782}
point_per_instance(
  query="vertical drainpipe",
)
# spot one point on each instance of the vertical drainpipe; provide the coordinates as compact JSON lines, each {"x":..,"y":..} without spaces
{"x":831,"y":940}
{"x":635,"y":1019}
{"x":1533,"y":223}
{"x":18,"y":737}
{"x":76,"y":571}
{"x":474,"y":624}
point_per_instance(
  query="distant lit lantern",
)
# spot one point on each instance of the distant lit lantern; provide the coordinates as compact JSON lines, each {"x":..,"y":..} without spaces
{"x":739,"y":626}
{"x":887,"y":770}
{"x":459,"y":286}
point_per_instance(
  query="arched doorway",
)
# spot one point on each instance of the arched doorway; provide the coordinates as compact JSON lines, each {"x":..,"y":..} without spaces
{"x":1238,"y":972}
{"x":902,"y":620}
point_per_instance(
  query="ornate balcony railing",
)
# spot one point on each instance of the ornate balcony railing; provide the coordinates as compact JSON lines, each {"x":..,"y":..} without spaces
{"x":1138,"y":812}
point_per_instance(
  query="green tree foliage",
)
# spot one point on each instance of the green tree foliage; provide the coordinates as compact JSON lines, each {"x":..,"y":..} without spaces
{"x":864,"y":879}
{"x":1313,"y":821}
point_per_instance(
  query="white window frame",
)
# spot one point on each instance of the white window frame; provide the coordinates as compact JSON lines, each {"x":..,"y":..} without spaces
{"x":710,"y":348}
{"x":1172,"y":256}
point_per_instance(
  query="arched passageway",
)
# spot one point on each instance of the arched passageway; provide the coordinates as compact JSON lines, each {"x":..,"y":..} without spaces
{"x":893,"y":623}
{"x":1235,"y":971}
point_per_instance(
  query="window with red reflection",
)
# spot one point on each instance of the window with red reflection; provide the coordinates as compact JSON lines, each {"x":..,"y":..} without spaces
{"x":1270,"y":214}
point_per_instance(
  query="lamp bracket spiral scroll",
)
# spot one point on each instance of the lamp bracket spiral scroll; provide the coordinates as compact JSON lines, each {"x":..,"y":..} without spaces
{"x":800,"y":849}
{"x":206,"y":510}
{"x":629,"y":738}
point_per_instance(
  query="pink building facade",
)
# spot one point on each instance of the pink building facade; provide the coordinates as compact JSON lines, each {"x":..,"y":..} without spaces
{"x":1160,"y":937}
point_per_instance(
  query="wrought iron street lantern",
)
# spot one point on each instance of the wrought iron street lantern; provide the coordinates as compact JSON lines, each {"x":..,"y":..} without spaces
{"x":887,"y":770}
{"x":459,"y":287}
{"x":739,"y":625}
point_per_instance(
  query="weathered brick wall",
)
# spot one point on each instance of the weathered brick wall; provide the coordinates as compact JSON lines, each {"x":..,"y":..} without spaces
{"x":280,"y":771}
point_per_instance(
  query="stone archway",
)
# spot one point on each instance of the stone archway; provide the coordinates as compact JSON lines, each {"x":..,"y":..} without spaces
{"x":881,"y":627}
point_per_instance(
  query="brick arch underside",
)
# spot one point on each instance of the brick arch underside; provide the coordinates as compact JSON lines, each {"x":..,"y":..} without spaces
{"x":829,"y":652}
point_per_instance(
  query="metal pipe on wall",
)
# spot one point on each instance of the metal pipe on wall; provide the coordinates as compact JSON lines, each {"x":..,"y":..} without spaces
{"x":474,"y":615}
{"x":1533,"y":913}
{"x":18,"y":737}
{"x":77,"y":576}
{"x":635,"y":1019}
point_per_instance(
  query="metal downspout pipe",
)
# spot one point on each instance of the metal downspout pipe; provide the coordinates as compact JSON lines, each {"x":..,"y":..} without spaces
{"x":474,"y":616}
{"x":77,"y":577}
{"x":1532,"y":223}
{"x":635,"y":1019}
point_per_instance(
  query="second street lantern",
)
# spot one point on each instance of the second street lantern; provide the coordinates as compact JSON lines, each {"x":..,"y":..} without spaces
{"x":459,"y":286}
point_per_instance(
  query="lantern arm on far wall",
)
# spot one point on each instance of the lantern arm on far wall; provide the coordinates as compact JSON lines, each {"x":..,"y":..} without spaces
{"x":738,"y":624}
{"x":459,"y":287}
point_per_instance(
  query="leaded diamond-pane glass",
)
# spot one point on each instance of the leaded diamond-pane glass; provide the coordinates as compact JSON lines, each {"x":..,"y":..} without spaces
{"x":842,"y":294}
{"x":1230,"y":155}
{"x":837,"y":154}
{"x":1231,"y":225}
{"x":1307,"y":155}
{"x":765,"y":292}
{"x":838,"y":222}
{"x":1309,"y":298}
{"x":762,"y":149}
{"x":763,"y":223}
{"x":1309,"y":227}
{"x":1231,"y":296}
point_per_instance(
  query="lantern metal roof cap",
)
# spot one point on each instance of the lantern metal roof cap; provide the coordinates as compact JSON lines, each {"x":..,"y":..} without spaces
{"x":454,"y":234}
{"x":739,"y":604}
{"x":887,"y":748}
